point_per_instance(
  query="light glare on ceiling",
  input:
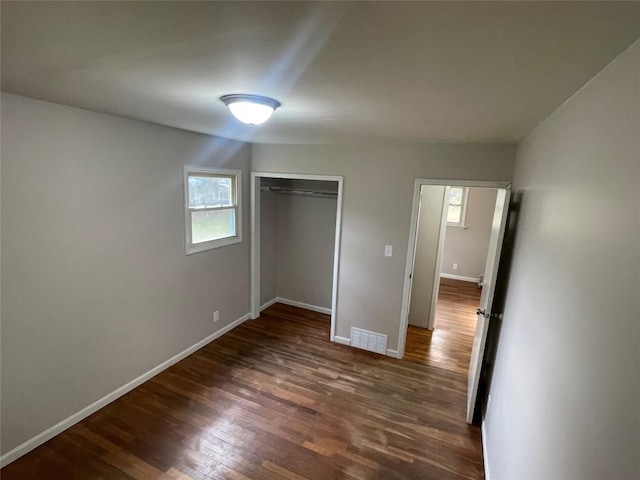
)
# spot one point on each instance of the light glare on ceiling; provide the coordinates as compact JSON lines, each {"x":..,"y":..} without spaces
{"x":250,"y":109}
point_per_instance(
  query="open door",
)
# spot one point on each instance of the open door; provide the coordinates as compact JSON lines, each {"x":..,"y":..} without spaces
{"x":486,"y":300}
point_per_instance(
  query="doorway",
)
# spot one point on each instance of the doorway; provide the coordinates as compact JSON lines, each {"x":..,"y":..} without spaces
{"x":447,"y":274}
{"x":453,"y":252}
{"x":295,"y":248}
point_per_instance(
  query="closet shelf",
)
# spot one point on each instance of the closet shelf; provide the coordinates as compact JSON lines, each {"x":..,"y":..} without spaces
{"x":298,"y":191}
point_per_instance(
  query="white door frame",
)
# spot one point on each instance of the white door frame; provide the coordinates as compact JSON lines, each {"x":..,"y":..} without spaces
{"x":406,"y":294}
{"x":255,"y":238}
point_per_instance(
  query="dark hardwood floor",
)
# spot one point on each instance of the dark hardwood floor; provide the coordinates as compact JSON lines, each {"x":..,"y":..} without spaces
{"x":448,"y":346}
{"x":274,"y":399}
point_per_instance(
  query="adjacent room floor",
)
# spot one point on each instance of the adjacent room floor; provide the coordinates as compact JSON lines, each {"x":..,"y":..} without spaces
{"x":448,"y":346}
{"x":274,"y":399}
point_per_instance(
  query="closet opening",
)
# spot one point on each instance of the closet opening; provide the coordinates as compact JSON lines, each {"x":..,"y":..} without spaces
{"x":295,"y":241}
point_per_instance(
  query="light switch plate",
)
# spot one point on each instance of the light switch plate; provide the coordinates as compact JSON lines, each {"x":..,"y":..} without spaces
{"x":388,"y":250}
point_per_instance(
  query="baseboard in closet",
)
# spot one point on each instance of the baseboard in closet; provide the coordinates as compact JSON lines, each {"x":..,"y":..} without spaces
{"x":294,"y":303}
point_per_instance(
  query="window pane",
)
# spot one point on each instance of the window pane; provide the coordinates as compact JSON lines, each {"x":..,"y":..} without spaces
{"x":206,"y":191}
{"x":212,"y":225}
{"x":456,"y":196}
{"x":453,"y":216}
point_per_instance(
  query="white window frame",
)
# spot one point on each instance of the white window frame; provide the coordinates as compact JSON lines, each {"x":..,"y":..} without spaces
{"x":236,"y":178}
{"x":463,"y":211}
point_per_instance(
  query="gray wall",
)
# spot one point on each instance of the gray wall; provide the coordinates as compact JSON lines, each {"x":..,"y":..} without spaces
{"x":468,"y":246}
{"x":424,"y":265}
{"x":306,"y":240}
{"x":96,"y":287}
{"x":268,"y":246}
{"x":378,"y":192}
{"x":566,"y":385}
{"x":297,"y":239}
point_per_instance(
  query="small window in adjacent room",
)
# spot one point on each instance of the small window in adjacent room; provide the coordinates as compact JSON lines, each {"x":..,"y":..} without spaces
{"x":457,"y":212}
{"x":212,"y":208}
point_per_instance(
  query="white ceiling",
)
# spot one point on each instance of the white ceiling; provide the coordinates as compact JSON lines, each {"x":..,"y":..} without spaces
{"x":419,"y":71}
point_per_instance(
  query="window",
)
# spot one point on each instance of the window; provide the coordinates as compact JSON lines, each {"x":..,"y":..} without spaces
{"x":212,"y":208}
{"x":457,"y":212}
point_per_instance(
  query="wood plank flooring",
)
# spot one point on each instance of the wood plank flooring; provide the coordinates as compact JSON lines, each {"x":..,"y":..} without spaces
{"x":448,"y":346}
{"x":273,"y":399}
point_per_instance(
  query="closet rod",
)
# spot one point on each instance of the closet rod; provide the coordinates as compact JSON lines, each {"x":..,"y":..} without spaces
{"x":297,"y":191}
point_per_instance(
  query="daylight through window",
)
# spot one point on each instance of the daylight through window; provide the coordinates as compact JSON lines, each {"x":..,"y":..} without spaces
{"x":457,"y":206}
{"x":212,"y":210}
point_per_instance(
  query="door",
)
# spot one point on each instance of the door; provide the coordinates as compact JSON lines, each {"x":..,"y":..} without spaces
{"x":486,"y":299}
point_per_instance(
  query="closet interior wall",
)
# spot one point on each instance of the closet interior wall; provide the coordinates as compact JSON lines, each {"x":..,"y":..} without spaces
{"x":297,"y":240}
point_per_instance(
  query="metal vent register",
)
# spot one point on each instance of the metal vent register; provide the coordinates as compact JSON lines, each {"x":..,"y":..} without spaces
{"x":374,"y":342}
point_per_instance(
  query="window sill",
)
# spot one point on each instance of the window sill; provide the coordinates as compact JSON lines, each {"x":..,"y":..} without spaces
{"x":204,"y":246}
{"x":456,"y":225}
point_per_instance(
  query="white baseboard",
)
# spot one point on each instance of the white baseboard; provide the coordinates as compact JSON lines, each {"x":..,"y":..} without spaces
{"x":392,"y":353}
{"x":485,"y":456}
{"x":60,"y":427}
{"x":460,"y":277}
{"x":306,"y":306}
{"x":266,"y":305}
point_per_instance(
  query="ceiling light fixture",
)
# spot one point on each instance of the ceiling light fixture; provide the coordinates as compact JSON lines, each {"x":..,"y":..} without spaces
{"x":250,"y":109}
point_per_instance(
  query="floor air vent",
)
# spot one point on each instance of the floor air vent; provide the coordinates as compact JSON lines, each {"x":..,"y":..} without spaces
{"x":374,"y":342}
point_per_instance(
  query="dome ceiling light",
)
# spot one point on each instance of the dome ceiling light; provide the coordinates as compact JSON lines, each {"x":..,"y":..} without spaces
{"x":250,"y":109}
